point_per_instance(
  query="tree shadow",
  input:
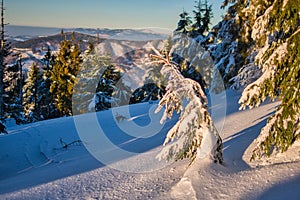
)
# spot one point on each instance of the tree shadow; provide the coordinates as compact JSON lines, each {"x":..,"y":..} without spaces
{"x":75,"y":159}
{"x":235,"y":147}
{"x":285,"y":190}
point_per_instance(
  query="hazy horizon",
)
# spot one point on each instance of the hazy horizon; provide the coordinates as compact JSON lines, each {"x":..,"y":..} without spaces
{"x":114,"y":14}
{"x":16,"y":30}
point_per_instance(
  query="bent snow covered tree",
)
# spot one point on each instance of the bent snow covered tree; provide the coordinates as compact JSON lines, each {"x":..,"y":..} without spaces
{"x":194,"y":134}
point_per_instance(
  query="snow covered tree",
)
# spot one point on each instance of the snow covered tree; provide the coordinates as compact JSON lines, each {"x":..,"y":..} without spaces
{"x":229,"y":42}
{"x":194,"y":134}
{"x":13,"y":82}
{"x":155,"y":81}
{"x":149,"y":91}
{"x":167,"y":46}
{"x":32,"y":94}
{"x":276,"y":33}
{"x":99,"y":86}
{"x":45,"y":101}
{"x":63,"y":76}
{"x":5,"y":51}
{"x":193,"y":61}
{"x":184,"y":23}
{"x":84,"y":97}
{"x":154,"y":86}
{"x":106,"y":87}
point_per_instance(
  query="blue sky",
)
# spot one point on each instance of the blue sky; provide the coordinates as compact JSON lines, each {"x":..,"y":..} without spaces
{"x":100,"y":13}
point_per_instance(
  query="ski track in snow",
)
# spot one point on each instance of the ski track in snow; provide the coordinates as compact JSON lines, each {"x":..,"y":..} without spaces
{"x":74,"y":174}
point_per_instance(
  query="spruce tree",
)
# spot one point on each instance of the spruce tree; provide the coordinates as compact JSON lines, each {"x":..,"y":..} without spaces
{"x":206,"y":21}
{"x":276,"y":33}
{"x":99,"y":86}
{"x":85,"y":98}
{"x":167,"y":46}
{"x":32,"y":94}
{"x":63,"y":76}
{"x":5,"y":50}
{"x":46,"y":102}
{"x":2,"y":56}
{"x":13,"y":92}
{"x":106,"y":87}
{"x":155,"y":81}
{"x":202,"y":17}
{"x":194,"y":135}
{"x":229,"y":43}
{"x":184,"y":23}
{"x":198,"y":16}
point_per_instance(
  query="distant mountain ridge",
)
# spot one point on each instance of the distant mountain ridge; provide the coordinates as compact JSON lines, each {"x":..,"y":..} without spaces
{"x":23,"y":33}
{"x":126,"y":47}
{"x":53,"y":41}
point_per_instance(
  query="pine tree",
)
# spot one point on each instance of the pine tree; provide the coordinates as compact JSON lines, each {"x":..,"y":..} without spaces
{"x":32,"y":94}
{"x":94,"y":86}
{"x":198,"y":16}
{"x":106,"y":87}
{"x":2,"y":56}
{"x":276,"y":33}
{"x":63,"y":76}
{"x":202,"y":17}
{"x":155,"y":82}
{"x":206,"y":21}
{"x":195,"y":126}
{"x":5,"y":50}
{"x":13,"y":94}
{"x":193,"y":61}
{"x":229,"y":42}
{"x":184,"y":23}
{"x":167,"y":46}
{"x":46,"y":101}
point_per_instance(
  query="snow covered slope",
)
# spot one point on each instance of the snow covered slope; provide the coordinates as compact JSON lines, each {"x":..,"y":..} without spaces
{"x":46,"y":160}
{"x":275,"y":178}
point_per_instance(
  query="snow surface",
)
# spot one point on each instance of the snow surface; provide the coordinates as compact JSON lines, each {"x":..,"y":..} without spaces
{"x":35,"y":165}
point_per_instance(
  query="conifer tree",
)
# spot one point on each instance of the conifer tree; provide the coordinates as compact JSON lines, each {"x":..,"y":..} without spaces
{"x":206,"y":21}
{"x":46,"y":102}
{"x":99,"y":85}
{"x":2,"y":56}
{"x":167,"y":46}
{"x":155,"y":82}
{"x":202,"y":17}
{"x":194,"y":135}
{"x":5,"y":50}
{"x":106,"y":87}
{"x":32,"y":94}
{"x":184,"y":23}
{"x":13,"y":92}
{"x":63,"y":76}
{"x":229,"y":41}
{"x":276,"y":32}
{"x":198,"y":16}
{"x":85,"y":98}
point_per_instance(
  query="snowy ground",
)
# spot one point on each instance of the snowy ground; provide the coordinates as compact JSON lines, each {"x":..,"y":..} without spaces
{"x":35,"y":165}
{"x":274,"y":178}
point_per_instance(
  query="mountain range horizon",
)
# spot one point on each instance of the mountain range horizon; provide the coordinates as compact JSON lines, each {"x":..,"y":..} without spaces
{"x":21,"y":30}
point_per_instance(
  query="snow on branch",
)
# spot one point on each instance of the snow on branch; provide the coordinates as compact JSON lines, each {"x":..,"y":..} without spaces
{"x":195,"y":126}
{"x":258,"y":91}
